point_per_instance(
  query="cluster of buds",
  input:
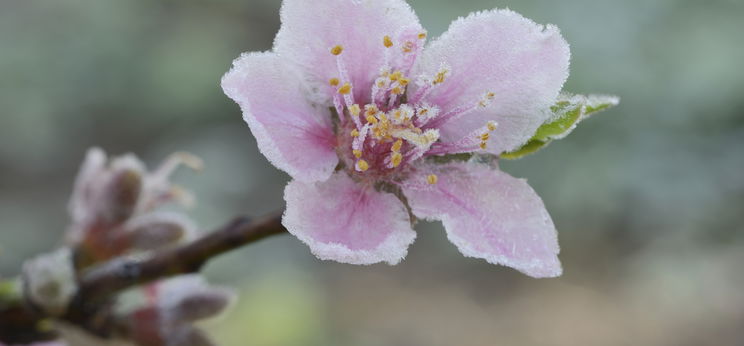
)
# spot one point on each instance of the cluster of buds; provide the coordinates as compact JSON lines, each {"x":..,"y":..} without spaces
{"x":115,"y":212}
{"x":171,"y":307}
{"x":114,"y":202}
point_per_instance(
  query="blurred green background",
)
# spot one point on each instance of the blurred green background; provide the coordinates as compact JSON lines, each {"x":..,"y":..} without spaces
{"x":648,"y":197}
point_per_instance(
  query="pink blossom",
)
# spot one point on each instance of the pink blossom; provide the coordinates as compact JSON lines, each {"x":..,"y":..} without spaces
{"x":366,"y":119}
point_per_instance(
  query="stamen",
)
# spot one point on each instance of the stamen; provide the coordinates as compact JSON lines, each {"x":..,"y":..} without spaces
{"x":357,"y":153}
{"x":486,"y":100}
{"x":477,"y":139}
{"x":355,"y":133}
{"x":371,"y":109}
{"x":432,"y":179}
{"x":396,"y":159}
{"x":387,"y":41}
{"x":427,"y":83}
{"x":362,"y":166}
{"x":397,"y":145}
{"x":422,"y":36}
{"x":421,"y":140}
{"x":426,"y":113}
{"x":345,"y":89}
{"x":458,"y":112}
{"x":334,"y":82}
{"x":408,"y":47}
{"x":344,"y":78}
{"x":355,"y":110}
{"x":440,"y":77}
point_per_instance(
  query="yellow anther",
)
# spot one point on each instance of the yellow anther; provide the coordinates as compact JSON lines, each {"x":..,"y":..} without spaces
{"x":381,"y":84}
{"x":362,"y":165}
{"x":397,"y":145}
{"x":344,"y":89}
{"x":396,"y":75}
{"x":387,"y":41}
{"x":484,"y":137}
{"x":422,"y":36}
{"x":383,"y":118}
{"x":371,"y":109}
{"x":357,"y":153}
{"x":355,"y":133}
{"x":395,"y":159}
{"x":490,"y":95}
{"x":408,"y":47}
{"x":441,"y":75}
{"x":376,"y":133}
{"x":432,"y":179}
{"x":423,"y":111}
{"x":334,"y":82}
{"x":483,"y":145}
{"x":355,"y":110}
{"x":397,"y":90}
{"x":404,"y":81}
{"x":431,"y":135}
{"x":337,"y":50}
{"x":492,"y":126}
{"x":371,"y":119}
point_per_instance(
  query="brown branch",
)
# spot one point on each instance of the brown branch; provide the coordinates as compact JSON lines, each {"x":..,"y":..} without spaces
{"x":100,"y":283}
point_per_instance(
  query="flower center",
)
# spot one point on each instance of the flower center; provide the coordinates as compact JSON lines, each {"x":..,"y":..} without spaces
{"x":395,"y":128}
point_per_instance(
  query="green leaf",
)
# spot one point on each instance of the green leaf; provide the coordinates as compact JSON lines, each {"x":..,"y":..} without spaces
{"x":532,"y":146}
{"x":568,"y":111}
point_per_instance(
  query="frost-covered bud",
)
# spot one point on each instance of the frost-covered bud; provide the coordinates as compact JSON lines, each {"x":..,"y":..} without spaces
{"x":49,"y":281}
{"x":113,"y":202}
{"x":172,"y":306}
{"x":120,"y":194}
{"x":106,"y":195}
{"x":191,"y":298}
{"x":156,"y":230}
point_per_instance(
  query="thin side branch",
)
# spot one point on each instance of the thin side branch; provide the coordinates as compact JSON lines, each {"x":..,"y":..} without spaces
{"x":100,"y":283}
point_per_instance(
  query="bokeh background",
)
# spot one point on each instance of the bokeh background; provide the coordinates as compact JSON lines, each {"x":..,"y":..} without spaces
{"x":648,"y":197}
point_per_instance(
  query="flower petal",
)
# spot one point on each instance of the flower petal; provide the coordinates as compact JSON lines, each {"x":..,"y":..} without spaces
{"x":311,"y":28}
{"x":524,"y":64}
{"x":347,"y":222}
{"x":83,"y":194}
{"x":293,"y":134}
{"x":489,"y":214}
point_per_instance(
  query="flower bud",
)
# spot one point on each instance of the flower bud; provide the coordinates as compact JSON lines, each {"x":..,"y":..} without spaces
{"x":172,"y":305}
{"x":120,"y":196}
{"x":190,"y":298}
{"x":112,"y":206}
{"x":156,"y":230}
{"x":49,"y":281}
